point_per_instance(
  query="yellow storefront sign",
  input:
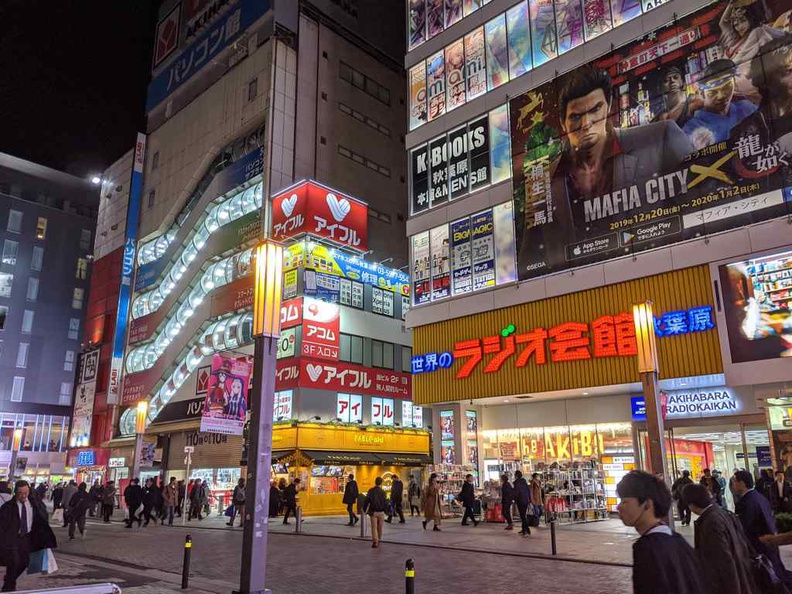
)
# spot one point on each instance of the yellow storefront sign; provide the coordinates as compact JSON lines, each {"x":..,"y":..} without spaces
{"x":348,"y":439}
{"x":580,"y":340}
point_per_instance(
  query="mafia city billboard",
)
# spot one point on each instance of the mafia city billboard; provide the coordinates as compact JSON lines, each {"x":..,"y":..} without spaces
{"x":683,"y":133}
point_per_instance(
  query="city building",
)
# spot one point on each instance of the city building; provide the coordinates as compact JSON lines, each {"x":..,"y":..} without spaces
{"x":47,"y":232}
{"x":565,"y":164}
{"x":244,"y":105}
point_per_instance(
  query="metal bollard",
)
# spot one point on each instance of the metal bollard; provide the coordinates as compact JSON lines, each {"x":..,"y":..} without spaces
{"x":186,"y":564}
{"x":363,"y":525}
{"x":409,"y":577}
{"x":553,"y":536}
{"x":298,"y":517}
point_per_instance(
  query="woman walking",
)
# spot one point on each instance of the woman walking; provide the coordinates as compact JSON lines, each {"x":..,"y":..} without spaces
{"x":432,"y":504}
{"x":414,"y":496}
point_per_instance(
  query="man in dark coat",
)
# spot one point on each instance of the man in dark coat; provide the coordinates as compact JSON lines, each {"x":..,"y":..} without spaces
{"x":274,"y":500}
{"x":663,"y":561}
{"x":290,"y":500}
{"x":712,"y":484}
{"x":523,"y":498}
{"x":676,"y":493}
{"x":757,"y":519}
{"x":79,"y":504}
{"x":96,"y":497}
{"x":507,"y":499}
{"x":350,"y":497}
{"x":467,"y":497}
{"x":780,"y":493}
{"x":724,"y":557}
{"x":396,"y":494}
{"x":133,"y":496}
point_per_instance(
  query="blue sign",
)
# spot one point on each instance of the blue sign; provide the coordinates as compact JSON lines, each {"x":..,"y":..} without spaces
{"x":204,"y":49}
{"x":372,"y":273}
{"x":696,"y":319}
{"x":149,"y":273}
{"x":86,"y":458}
{"x":240,"y":171}
{"x":638,"y":406}
{"x":764,"y":459}
{"x":431,"y":362}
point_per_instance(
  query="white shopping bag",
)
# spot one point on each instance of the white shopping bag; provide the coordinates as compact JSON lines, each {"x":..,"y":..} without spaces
{"x":50,"y":565}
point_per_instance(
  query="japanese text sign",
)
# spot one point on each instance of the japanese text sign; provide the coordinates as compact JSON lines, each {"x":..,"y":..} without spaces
{"x":349,"y":408}
{"x":321,"y":329}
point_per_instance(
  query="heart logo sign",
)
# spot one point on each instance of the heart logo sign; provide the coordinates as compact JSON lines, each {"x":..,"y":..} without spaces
{"x":338,"y":208}
{"x":288,"y":204}
{"x":314,"y":371}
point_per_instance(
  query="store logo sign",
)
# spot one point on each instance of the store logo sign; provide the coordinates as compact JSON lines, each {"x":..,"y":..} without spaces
{"x":713,"y":402}
{"x":607,"y":336}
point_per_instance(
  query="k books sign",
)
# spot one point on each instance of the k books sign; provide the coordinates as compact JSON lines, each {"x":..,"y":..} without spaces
{"x":688,"y":142}
{"x":320,"y":211}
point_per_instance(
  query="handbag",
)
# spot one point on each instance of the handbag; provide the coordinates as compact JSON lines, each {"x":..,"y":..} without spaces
{"x":50,"y":565}
{"x":765,"y":576}
{"x":36,"y":562}
{"x":229,"y":512}
{"x":57,"y":515}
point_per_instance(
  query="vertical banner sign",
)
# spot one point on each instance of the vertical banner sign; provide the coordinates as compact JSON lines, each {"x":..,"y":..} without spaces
{"x":461,"y":259}
{"x":475,"y":64}
{"x":505,"y":250}
{"x":447,"y":452}
{"x":455,"y":74}
{"x":471,"y":419}
{"x":418,"y":95}
{"x":226,"y":403}
{"x":441,"y":281}
{"x":435,"y":80}
{"x":421,"y":269}
{"x":419,"y":167}
{"x":127,"y":270}
{"x":321,"y":329}
{"x":483,"y":250}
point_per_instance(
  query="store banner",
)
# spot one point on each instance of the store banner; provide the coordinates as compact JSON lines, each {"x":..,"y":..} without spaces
{"x":342,"y":377}
{"x":292,"y":313}
{"x":382,"y":411}
{"x":283,"y":405}
{"x":327,"y":260}
{"x":310,"y":208}
{"x":321,"y":329}
{"x":483,"y":249}
{"x":422,"y":273}
{"x":232,"y":297}
{"x":89,"y":366}
{"x":441,"y":277}
{"x":138,"y":385}
{"x":461,"y":257}
{"x":84,"y":399}
{"x":322,"y":286}
{"x":226,"y":403}
{"x":676,"y":167}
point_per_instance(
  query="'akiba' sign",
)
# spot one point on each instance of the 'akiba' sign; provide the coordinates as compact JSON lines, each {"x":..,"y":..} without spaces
{"x":607,"y":336}
{"x":313,"y":209}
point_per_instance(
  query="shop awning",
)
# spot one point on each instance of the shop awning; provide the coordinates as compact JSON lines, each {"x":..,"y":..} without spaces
{"x":278,"y":456}
{"x":404,"y":459}
{"x":341,"y":458}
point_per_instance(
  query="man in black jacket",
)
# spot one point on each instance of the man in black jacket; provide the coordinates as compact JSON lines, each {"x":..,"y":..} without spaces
{"x":523,"y":497}
{"x":16,"y":526}
{"x":721,"y":545}
{"x":676,"y":493}
{"x":467,"y":497}
{"x":397,"y":491}
{"x":79,"y":504}
{"x":663,"y":561}
{"x":507,"y":499}
{"x":350,"y":497}
{"x":133,"y":496}
{"x":375,"y":506}
{"x":290,"y":500}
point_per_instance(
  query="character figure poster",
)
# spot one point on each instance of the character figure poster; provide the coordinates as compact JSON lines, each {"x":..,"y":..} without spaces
{"x":226,"y":402}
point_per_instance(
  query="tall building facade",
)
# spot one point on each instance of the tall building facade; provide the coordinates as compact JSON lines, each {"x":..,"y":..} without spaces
{"x":48,"y":221}
{"x":247,"y":100}
{"x":566,"y":161}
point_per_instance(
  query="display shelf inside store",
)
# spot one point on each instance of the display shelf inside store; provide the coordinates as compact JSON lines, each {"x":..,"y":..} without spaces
{"x":584,"y":493}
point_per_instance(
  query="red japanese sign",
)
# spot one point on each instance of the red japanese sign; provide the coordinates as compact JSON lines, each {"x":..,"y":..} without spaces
{"x":234,"y":296}
{"x":317,"y":210}
{"x":607,"y":336}
{"x":291,"y":313}
{"x":321,"y":329}
{"x":302,"y":372}
{"x":138,"y":385}
{"x":143,"y":328}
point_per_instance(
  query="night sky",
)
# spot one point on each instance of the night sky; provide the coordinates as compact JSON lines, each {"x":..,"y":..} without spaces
{"x":74,"y":77}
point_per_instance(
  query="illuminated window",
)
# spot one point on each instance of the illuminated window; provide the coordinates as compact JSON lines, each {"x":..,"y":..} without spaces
{"x":3,"y":316}
{"x":37,"y":261}
{"x":74,"y":328}
{"x":27,"y":321}
{"x":41,"y":228}
{"x":32,"y":288}
{"x":10,"y":251}
{"x":77,"y":298}
{"x":252,"y":91}
{"x":17,"y":389}
{"x":22,"y":355}
{"x":14,"y":221}
{"x":82,"y":269}
{"x":64,"y":398}
{"x":68,"y":363}
{"x":85,"y":239}
{"x":6,"y":282}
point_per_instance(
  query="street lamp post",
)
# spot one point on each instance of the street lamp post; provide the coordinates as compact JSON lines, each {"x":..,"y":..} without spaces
{"x":266,"y":329}
{"x":140,"y":429}
{"x":15,"y":445}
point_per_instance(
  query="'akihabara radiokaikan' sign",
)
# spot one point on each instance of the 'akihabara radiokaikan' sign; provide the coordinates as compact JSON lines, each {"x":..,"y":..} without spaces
{"x":309,"y":208}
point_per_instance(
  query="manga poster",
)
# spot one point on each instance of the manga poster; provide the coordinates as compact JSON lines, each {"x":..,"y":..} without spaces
{"x":497,"y":52}
{"x":483,"y":248}
{"x":226,"y":402}
{"x":418,"y":95}
{"x":435,"y":81}
{"x":417,"y":22}
{"x":455,"y":73}
{"x":453,"y":12}
{"x":681,"y":134}
{"x":461,"y":257}
{"x":543,"y":33}
{"x":596,"y":17}
{"x":441,"y":274}
{"x":421,"y":269}
{"x":435,"y":17}
{"x":624,"y":11}
{"x":519,"y":38}
{"x":475,"y":64}
{"x":569,"y":24}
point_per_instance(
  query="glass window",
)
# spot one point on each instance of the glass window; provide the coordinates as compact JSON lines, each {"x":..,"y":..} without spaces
{"x":155,"y":160}
{"x":6,"y":282}
{"x":497,"y":52}
{"x":625,"y":10}
{"x":356,"y":349}
{"x":82,"y":269}
{"x":500,"y":144}
{"x":22,"y":355}
{"x":344,"y":347}
{"x":85,"y":239}
{"x":519,"y":35}
{"x":74,"y":328}
{"x":10,"y":251}
{"x":64,"y":398}
{"x":569,"y":24}
{"x":41,"y":228}
{"x":14,"y":221}
{"x":27,"y":321}
{"x":32,"y":288}
{"x":387,"y":355}
{"x":406,"y":354}
{"x":68,"y":363}
{"x":252,"y":89}
{"x":17,"y":389}
{"x":37,"y":261}
{"x":3,"y":316}
{"x":77,"y":298}
{"x":543,"y":38}
{"x":596,"y":17}
{"x":435,"y":81}
{"x":475,"y":64}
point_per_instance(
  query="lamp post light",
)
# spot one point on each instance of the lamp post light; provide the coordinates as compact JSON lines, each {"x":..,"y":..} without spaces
{"x":140,"y":429}
{"x":266,"y":330}
{"x":15,"y":445}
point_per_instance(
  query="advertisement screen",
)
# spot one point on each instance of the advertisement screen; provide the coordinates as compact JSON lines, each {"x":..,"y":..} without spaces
{"x":421,"y":269}
{"x":455,"y":73}
{"x":417,"y":95}
{"x":226,"y":403}
{"x":475,"y":64}
{"x":756,"y":299}
{"x":669,"y":138}
{"x":518,"y":29}
{"x":497,"y":52}
{"x":435,"y":81}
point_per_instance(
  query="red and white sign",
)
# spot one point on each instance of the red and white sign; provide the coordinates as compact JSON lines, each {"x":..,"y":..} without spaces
{"x":342,"y":377}
{"x":232,"y":297}
{"x":202,"y":376}
{"x":167,"y":39}
{"x":143,"y":328}
{"x":349,"y":408}
{"x":317,"y":210}
{"x":138,"y":385}
{"x":283,"y":405}
{"x":321,"y":329}
{"x":382,"y":411}
{"x":291,"y":313}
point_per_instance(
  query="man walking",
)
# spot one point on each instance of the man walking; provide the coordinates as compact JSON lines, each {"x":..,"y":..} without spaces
{"x":290,"y":500}
{"x":96,"y":497}
{"x":133,"y":496}
{"x":79,"y":504}
{"x":375,"y":506}
{"x":722,"y":547}
{"x":467,"y":497}
{"x":537,"y":496}
{"x":396,"y":494}
{"x":523,"y":496}
{"x":663,"y":561}
{"x":170,"y":498}
{"x":350,"y":497}
{"x":507,"y":499}
{"x":149,"y":500}
{"x":414,"y":496}
{"x":108,"y":501}
{"x":676,"y":493}
{"x":757,"y":519}
{"x":68,"y":493}
{"x":712,"y":484}
{"x":16,"y":525}
{"x":238,"y":502}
